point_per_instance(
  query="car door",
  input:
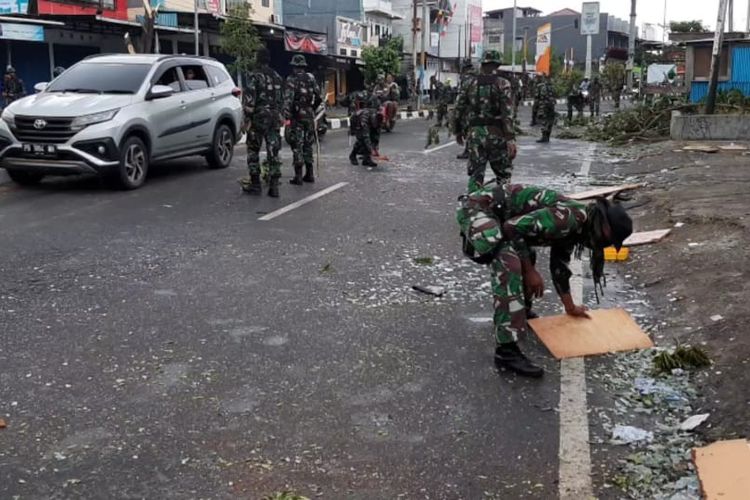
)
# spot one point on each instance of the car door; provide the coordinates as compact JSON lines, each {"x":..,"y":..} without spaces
{"x":169,"y":116}
{"x":200,"y":97}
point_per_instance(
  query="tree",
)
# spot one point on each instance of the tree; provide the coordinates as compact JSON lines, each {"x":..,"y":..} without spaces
{"x":686,"y":27}
{"x":383,"y":60}
{"x":240,"y":39}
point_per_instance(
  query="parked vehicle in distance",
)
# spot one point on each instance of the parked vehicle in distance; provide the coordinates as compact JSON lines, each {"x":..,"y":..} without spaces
{"x":114,"y":115}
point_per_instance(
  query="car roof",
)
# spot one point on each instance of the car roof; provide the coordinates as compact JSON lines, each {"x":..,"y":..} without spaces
{"x":145,"y":58}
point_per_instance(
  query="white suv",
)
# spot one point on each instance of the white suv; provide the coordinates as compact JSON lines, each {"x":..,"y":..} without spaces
{"x":115,"y":114}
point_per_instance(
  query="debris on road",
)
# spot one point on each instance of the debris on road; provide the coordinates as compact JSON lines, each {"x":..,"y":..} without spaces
{"x":717,"y":317}
{"x":724,"y":469}
{"x":701,"y":148}
{"x":646,"y":237}
{"x":682,"y":357}
{"x":424,"y":261}
{"x":627,"y":434}
{"x":3,"y":425}
{"x":693,"y":422}
{"x":604,"y":191}
{"x":641,"y":123}
{"x":437,"y":291}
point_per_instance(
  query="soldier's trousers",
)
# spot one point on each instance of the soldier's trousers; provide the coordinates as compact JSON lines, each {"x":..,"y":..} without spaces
{"x":255,"y":138}
{"x":442,"y":113}
{"x":594,"y":107}
{"x":548,"y":118}
{"x":508,"y":294}
{"x":486,"y":144}
{"x":534,"y":113}
{"x":302,"y":139}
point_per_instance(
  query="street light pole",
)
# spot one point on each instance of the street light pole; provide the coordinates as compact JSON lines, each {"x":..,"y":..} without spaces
{"x":631,"y":45}
{"x":195,"y":27}
{"x":513,"y":42}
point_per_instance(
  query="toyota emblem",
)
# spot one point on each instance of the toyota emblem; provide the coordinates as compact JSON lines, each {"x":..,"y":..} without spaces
{"x":39,"y":124}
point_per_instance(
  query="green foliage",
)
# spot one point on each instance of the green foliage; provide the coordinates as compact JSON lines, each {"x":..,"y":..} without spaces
{"x":240,"y":39}
{"x":613,"y":77}
{"x":686,"y":27}
{"x":563,"y":83}
{"x":385,"y":59}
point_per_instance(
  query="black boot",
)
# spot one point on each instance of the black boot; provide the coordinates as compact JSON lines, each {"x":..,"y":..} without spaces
{"x":309,"y":173}
{"x":510,"y":357}
{"x":367,"y":162}
{"x":273,"y":187}
{"x":354,"y":160}
{"x":297,"y":179}
{"x":544,"y":139}
{"x":464,"y":155}
{"x":255,"y":186}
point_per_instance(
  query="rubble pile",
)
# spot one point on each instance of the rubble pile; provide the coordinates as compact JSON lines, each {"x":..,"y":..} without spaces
{"x":643,"y":122}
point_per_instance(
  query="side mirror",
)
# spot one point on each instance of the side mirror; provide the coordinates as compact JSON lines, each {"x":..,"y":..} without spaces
{"x":41,"y":86}
{"x":160,"y":92}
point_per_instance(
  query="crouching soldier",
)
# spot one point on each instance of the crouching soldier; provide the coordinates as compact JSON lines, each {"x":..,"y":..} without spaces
{"x":365,"y":127}
{"x":501,"y":225}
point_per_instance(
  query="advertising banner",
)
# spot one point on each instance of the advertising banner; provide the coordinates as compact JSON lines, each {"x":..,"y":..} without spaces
{"x":309,"y":43}
{"x":544,"y":48}
{"x":14,"y":7}
{"x":590,"y":18}
{"x":29,"y":32}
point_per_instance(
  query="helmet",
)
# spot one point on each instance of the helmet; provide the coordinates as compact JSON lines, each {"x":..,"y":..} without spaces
{"x":59,"y":70}
{"x":299,"y":61}
{"x":492,"y":57}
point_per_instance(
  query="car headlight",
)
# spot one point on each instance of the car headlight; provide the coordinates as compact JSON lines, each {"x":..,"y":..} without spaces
{"x":9,"y":118}
{"x":84,"y":121}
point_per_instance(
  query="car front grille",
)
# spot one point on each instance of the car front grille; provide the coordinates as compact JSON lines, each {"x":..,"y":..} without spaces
{"x":56,"y":130}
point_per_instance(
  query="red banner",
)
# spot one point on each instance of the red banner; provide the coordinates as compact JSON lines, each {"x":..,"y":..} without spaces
{"x":309,"y":43}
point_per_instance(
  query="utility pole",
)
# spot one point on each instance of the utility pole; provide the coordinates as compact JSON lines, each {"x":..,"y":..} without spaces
{"x":513,"y":43}
{"x":425,"y":33}
{"x":747,"y":26}
{"x":414,"y":26}
{"x":631,"y":44}
{"x":716,"y":57}
{"x":730,"y":22}
{"x":197,"y":32}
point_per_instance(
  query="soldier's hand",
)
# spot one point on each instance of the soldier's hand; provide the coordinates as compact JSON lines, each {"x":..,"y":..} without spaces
{"x":533,"y":283}
{"x":512,"y":150}
{"x":460,"y":139}
{"x":578,"y":311}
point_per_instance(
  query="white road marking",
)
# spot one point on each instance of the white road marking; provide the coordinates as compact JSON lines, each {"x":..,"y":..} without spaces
{"x":303,"y":201}
{"x":575,"y":452}
{"x":428,"y":151}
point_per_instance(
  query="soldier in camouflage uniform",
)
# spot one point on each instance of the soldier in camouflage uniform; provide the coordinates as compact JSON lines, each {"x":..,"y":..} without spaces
{"x":365,"y":126}
{"x":595,"y":96}
{"x":501,"y":225}
{"x":545,"y":97}
{"x":13,"y":88}
{"x":467,"y":74}
{"x":441,"y":97}
{"x":301,"y":98}
{"x":483,"y":113}
{"x":264,"y":94}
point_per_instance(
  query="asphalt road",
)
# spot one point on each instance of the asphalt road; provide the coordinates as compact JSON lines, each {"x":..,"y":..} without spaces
{"x":166,"y":343}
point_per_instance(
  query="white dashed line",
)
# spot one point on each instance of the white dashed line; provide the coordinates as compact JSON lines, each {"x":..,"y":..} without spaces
{"x":303,"y":201}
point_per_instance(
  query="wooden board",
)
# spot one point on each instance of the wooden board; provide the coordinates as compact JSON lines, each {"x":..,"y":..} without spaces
{"x":608,"y":330}
{"x":724,"y":470}
{"x":603,"y":191}
{"x":701,"y":148}
{"x":646,"y":237}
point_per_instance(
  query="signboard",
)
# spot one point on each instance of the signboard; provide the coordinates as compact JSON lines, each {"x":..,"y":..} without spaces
{"x":349,"y":33}
{"x":544,"y":48}
{"x":475,"y":21}
{"x":29,"y":32}
{"x":434,"y":39}
{"x":309,"y":43}
{"x":590,"y":18}
{"x":14,"y":7}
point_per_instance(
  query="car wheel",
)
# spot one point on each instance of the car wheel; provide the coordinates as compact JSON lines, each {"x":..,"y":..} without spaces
{"x":222,"y":150}
{"x":25,"y":178}
{"x":133,"y":168}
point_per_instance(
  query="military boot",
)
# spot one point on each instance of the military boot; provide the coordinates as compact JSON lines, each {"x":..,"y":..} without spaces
{"x":463,"y":156}
{"x":273,"y":187}
{"x":367,"y":162}
{"x":309,"y":173}
{"x":297,"y":179}
{"x":510,"y":357}
{"x":254,"y":187}
{"x":353,"y":159}
{"x":544,"y":139}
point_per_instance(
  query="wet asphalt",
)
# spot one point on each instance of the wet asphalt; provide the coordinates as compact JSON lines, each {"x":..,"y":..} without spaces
{"x":165,"y":343}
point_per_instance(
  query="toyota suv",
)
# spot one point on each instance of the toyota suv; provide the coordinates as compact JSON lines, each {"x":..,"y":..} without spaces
{"x":114,"y":115}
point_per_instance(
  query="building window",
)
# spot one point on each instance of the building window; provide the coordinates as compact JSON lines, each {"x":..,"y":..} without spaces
{"x":494,"y":39}
{"x":342,"y":52}
{"x":265,"y":3}
{"x":702,"y":63}
{"x":377,"y":29}
{"x":353,"y":53}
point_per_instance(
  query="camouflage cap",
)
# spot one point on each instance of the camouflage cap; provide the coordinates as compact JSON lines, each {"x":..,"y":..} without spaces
{"x":492,"y":57}
{"x":299,"y":60}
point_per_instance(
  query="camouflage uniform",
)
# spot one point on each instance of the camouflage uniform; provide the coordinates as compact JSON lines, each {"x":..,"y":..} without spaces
{"x":502,"y":234}
{"x":13,"y":88}
{"x":595,"y":96}
{"x":301,"y":97}
{"x":466,"y":77}
{"x":264,"y":101}
{"x":545,"y":99}
{"x":442,"y":97}
{"x":365,"y":126}
{"x":484,"y":107}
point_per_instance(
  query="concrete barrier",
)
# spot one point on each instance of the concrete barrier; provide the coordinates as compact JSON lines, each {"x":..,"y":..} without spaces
{"x":709,"y":127}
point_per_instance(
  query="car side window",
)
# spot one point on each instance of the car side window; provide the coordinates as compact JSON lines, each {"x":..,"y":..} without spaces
{"x":217,"y":75}
{"x":195,"y":77}
{"x":170,"y":78}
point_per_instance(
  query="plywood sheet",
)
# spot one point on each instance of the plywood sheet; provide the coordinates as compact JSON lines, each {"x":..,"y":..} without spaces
{"x":724,"y":470}
{"x":608,"y":330}
{"x":603,"y":191}
{"x":646,"y":237}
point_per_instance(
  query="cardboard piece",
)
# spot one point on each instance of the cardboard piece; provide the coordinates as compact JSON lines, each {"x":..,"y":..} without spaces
{"x":608,"y":330}
{"x":646,"y":237}
{"x":724,"y":470}
{"x":701,"y":148}
{"x":603,"y":191}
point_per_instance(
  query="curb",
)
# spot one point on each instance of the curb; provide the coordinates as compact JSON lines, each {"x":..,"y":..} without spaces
{"x":565,"y":101}
{"x":336,"y":123}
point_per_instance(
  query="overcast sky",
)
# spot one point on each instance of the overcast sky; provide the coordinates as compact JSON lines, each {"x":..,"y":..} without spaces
{"x":649,"y":11}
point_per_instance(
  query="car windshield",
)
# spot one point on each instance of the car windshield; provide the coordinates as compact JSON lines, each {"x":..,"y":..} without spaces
{"x":99,"y":78}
